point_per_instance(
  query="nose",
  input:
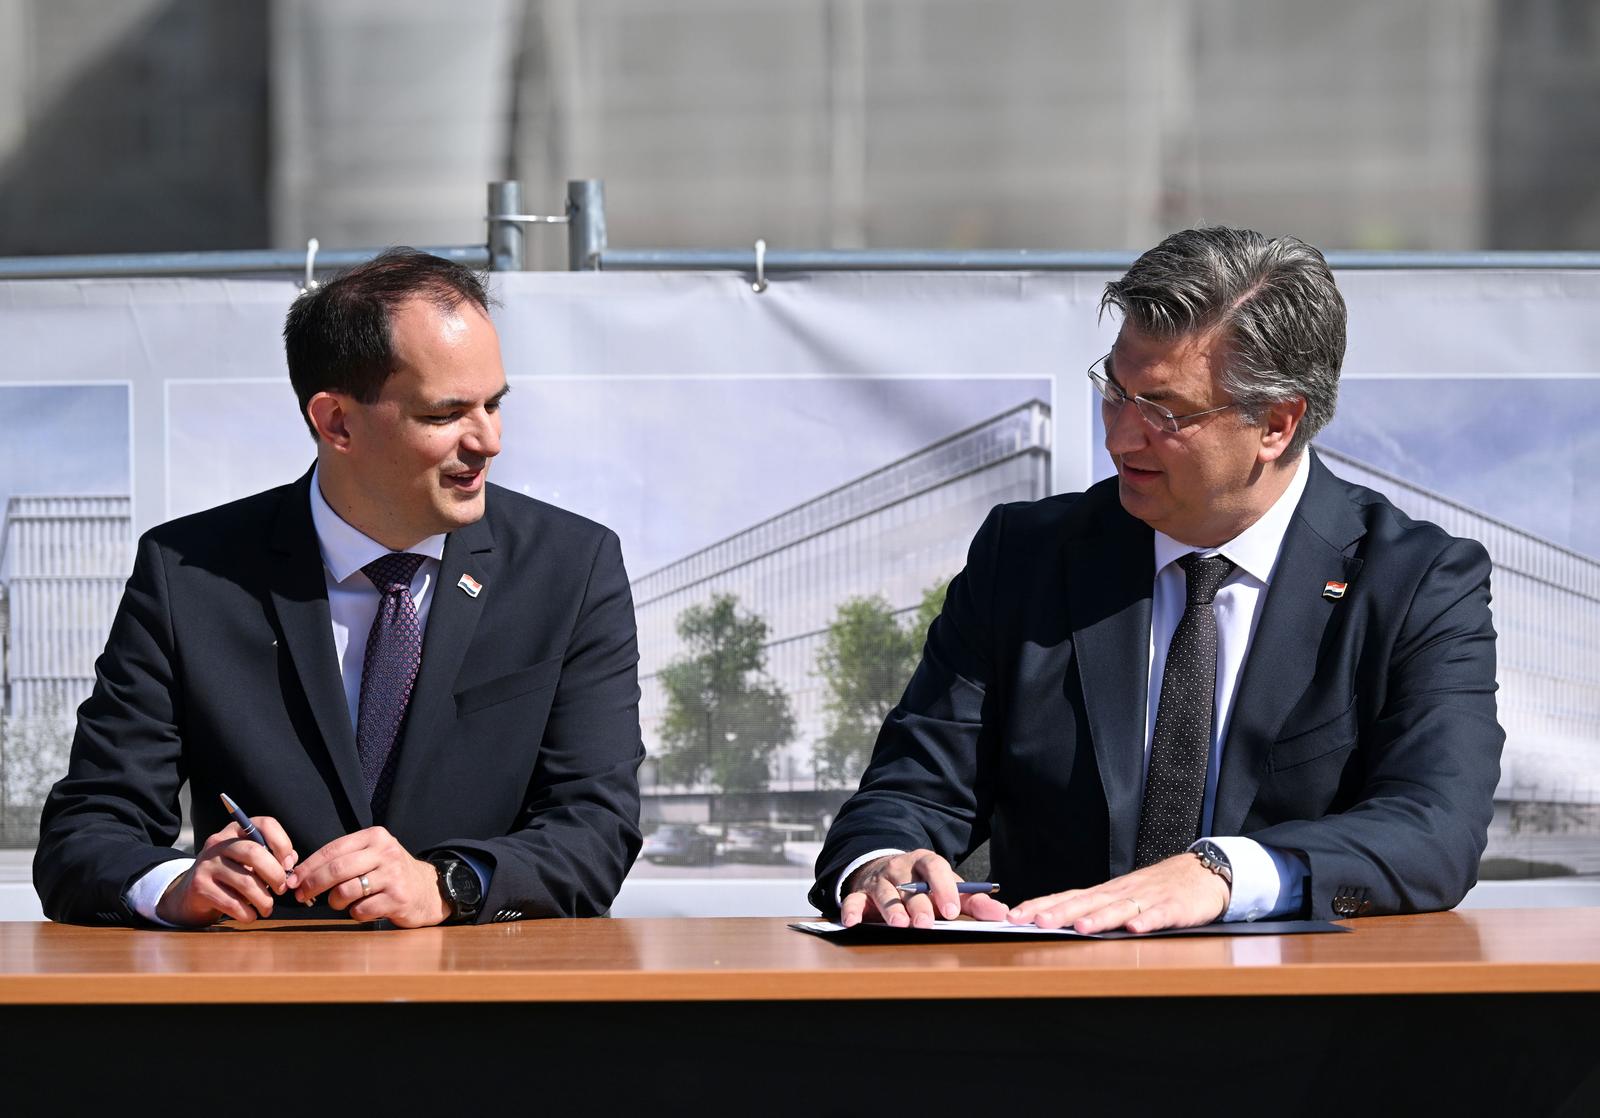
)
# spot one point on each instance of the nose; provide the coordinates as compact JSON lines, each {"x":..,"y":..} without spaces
{"x":1126,"y":430}
{"x":482,"y":438}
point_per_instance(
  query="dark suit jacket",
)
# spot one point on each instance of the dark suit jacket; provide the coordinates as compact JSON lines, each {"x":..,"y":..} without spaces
{"x":521,"y":745}
{"x":1363,"y":733}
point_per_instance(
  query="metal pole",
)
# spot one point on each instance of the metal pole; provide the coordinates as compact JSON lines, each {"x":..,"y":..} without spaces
{"x":505,"y":237}
{"x":586,"y":224}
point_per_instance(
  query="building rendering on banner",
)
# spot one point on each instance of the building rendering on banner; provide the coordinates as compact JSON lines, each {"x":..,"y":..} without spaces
{"x":894,"y":532}
{"x":63,"y":562}
{"x":1547,"y":614}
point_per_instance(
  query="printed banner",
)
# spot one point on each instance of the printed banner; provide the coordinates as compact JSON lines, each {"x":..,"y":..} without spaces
{"x":795,"y":476}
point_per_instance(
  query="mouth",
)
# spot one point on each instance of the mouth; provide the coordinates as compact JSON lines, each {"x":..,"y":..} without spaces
{"x":1135,"y":475}
{"x":465,"y":481}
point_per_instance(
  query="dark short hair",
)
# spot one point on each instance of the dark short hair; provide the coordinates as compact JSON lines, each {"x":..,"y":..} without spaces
{"x":1283,"y":316}
{"x":337,"y":337}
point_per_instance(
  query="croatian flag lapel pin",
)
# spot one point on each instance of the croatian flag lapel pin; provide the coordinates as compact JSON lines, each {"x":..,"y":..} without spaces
{"x":473,"y":587}
{"x":1333,"y":591}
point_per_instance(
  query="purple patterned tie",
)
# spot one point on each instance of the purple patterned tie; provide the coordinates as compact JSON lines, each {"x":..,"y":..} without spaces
{"x":388,"y":672}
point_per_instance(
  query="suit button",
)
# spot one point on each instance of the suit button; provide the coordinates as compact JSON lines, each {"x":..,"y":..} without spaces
{"x":1351,"y":900}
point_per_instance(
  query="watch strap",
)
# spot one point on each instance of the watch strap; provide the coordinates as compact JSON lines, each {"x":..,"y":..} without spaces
{"x":1212,"y":858}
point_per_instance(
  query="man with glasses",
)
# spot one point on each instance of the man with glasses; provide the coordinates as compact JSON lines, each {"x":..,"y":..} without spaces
{"x":1224,"y":684}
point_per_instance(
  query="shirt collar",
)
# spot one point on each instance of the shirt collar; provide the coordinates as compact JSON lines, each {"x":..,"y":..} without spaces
{"x":1254,"y":550}
{"x":345,"y":550}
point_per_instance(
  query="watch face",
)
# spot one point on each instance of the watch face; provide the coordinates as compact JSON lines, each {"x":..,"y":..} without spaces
{"x":463,"y":884}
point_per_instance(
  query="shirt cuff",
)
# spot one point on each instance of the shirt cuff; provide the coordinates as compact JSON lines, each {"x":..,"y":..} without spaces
{"x":1267,"y":882}
{"x":144,"y":894}
{"x":871,"y":855}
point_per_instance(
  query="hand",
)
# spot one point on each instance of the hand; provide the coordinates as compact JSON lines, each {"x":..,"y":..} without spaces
{"x":397,"y":887}
{"x":233,"y":876}
{"x":871,"y":894}
{"x":1175,"y":893}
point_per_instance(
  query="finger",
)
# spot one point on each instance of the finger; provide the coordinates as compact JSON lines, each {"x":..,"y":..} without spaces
{"x":313,"y":882}
{"x":376,"y":907}
{"x":227,"y":834}
{"x":852,"y":909}
{"x":277,"y":839}
{"x":234,"y":893}
{"x":942,"y":896}
{"x":981,"y":906}
{"x":1152,"y":918}
{"x":347,"y":893}
{"x":1025,"y":912}
{"x":254,"y":858}
{"x":1109,"y":916}
{"x":367,"y":885}
{"x":1070,"y":909}
{"x":230,"y":903}
{"x":344,"y":844}
{"x":887,"y":900}
{"x":243,"y":881}
{"x":920,"y":909}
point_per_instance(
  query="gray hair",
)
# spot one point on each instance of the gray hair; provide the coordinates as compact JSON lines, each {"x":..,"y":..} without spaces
{"x":1274,"y":296}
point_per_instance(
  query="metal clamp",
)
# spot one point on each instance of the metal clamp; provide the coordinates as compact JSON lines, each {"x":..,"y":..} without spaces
{"x":532,"y":219}
{"x":761,"y":268}
{"x":310,"y":283}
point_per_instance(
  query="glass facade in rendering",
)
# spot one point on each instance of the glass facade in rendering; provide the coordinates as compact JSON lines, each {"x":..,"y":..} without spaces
{"x":895,"y":532}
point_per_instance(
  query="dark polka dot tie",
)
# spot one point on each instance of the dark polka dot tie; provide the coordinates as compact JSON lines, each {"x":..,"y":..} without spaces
{"x":1180,"y":749}
{"x":388,"y":673}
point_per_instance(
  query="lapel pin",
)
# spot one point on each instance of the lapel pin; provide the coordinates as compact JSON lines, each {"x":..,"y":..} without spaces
{"x":472,"y":586}
{"x":1333,"y":591}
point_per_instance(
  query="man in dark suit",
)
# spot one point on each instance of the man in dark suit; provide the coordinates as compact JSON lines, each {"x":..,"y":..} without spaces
{"x":426,"y":682}
{"x":1224,"y":684}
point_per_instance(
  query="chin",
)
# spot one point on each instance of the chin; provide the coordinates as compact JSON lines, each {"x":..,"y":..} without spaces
{"x":1134,"y":502}
{"x":458,"y":514}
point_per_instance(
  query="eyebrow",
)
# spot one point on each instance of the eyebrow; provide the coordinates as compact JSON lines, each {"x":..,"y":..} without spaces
{"x":1160,"y":396}
{"x":458,"y":402}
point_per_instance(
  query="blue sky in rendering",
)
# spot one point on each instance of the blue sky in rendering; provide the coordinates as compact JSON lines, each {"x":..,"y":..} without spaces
{"x":675,"y":465}
{"x":1524,"y":451}
{"x":64,"y":439}
{"x":671,"y":464}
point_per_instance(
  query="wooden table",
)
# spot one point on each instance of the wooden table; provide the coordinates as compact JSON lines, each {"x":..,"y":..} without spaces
{"x":1485,"y":1006}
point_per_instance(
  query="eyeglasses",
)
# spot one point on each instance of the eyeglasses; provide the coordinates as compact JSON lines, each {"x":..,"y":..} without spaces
{"x":1112,"y":397}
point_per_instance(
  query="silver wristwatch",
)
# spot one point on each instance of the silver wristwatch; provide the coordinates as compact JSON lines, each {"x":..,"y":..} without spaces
{"x":1213,"y":859}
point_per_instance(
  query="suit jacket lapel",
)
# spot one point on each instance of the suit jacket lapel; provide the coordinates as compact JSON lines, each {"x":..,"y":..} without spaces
{"x":299,"y":592}
{"x":1110,"y":576}
{"x":1282,"y":661}
{"x":452,"y":620}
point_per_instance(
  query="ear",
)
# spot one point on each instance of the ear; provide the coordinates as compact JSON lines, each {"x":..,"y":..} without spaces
{"x":329,"y":414}
{"x":1278,"y":428}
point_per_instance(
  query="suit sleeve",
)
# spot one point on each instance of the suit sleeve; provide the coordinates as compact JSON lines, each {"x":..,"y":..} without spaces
{"x":1412,"y":840}
{"x":116,"y":813}
{"x":579,"y":832}
{"x":923,"y":787}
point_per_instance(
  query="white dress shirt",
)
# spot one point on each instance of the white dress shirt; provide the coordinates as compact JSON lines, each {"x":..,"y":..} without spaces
{"x":1266,"y":882}
{"x":352,"y":606}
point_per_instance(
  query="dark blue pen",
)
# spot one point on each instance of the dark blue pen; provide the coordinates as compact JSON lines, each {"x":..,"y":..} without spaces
{"x":251,"y":831}
{"x":961,"y":887}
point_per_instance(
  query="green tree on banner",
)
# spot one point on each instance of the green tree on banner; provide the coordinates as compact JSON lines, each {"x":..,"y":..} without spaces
{"x":865,"y":661}
{"x":724,"y":717}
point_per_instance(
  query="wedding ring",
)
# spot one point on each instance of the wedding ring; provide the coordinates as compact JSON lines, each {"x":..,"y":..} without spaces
{"x":1138,"y":909}
{"x":366,"y":886}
